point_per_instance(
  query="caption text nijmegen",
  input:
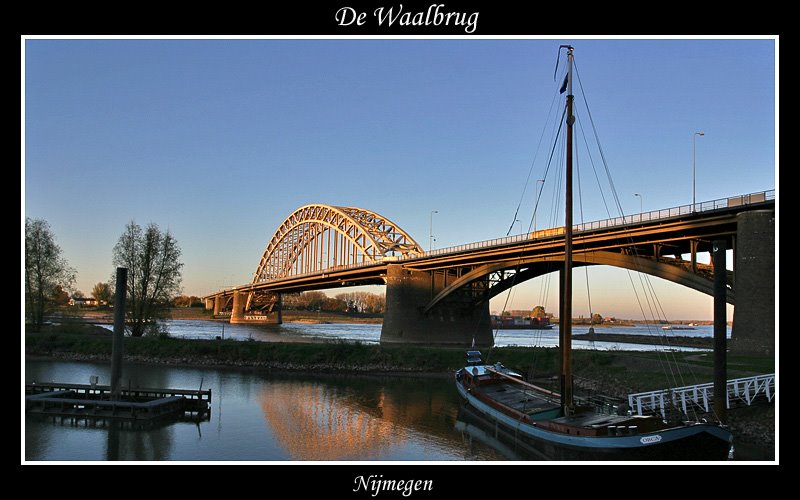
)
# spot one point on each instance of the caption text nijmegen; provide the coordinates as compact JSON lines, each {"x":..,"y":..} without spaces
{"x":374,"y":485}
{"x":435,"y":15}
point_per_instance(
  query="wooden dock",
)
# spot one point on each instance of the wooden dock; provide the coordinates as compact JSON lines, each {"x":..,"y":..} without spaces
{"x":95,"y":401}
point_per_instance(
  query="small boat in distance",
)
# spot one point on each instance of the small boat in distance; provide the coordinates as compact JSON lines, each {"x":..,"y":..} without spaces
{"x":562,"y":426}
{"x":678,"y":327}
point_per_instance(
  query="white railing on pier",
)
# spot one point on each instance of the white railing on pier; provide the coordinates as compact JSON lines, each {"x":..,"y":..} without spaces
{"x":740,"y":390}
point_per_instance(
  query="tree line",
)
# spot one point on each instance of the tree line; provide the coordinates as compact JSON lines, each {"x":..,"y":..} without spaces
{"x":153,"y":260}
{"x":350,"y":302}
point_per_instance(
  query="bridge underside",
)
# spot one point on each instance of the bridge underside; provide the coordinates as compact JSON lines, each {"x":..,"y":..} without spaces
{"x":505,"y":274}
{"x":259,"y":306}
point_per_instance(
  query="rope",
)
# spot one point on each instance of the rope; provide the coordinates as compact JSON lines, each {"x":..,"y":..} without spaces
{"x":655,"y":308}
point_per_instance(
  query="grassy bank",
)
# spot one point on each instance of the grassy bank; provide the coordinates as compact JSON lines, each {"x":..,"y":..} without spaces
{"x":620,"y":371}
{"x":82,"y":341}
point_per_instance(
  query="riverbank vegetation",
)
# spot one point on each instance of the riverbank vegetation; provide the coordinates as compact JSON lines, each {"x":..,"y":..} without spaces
{"x":612,"y":371}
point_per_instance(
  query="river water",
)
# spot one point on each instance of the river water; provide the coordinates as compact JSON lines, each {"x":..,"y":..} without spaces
{"x":262,"y":416}
{"x":371,"y":333}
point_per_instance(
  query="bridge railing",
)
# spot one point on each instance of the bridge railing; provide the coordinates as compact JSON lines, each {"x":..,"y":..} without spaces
{"x":666,"y":213}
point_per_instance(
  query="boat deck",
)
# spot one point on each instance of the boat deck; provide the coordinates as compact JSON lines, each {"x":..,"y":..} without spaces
{"x":538,"y":406}
{"x":592,"y":420}
{"x":519,"y":398}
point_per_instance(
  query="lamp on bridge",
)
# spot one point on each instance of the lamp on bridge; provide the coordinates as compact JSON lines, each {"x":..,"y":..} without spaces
{"x":430,"y":243}
{"x":641,"y":203}
{"x":694,"y":164}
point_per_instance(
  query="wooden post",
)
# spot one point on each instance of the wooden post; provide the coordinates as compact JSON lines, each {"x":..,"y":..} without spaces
{"x":720,"y":332}
{"x":119,"y":330}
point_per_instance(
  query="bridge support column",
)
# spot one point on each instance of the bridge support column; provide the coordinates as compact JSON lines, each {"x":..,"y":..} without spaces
{"x":754,"y":268}
{"x":218,"y":301}
{"x":208,"y":304}
{"x":453,"y":322}
{"x":237,"y":311}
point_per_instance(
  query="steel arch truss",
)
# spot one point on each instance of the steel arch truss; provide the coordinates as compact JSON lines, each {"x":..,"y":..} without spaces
{"x":316,"y":238}
{"x":486,"y":281}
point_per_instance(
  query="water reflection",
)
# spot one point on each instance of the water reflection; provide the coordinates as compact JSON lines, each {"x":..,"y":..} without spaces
{"x":132,"y":444}
{"x":118,"y":440}
{"x":265,"y":416}
{"x":352,"y":418}
{"x":475,"y":428}
{"x":313,"y":422}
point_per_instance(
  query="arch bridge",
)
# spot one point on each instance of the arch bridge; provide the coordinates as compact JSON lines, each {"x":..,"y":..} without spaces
{"x":442,"y":297}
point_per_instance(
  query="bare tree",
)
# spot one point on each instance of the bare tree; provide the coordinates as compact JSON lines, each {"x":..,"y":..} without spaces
{"x":154,"y":274}
{"x":45,"y":270}
{"x":363,"y":302}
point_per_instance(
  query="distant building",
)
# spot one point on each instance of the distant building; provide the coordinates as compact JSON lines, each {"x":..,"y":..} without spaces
{"x":83,"y":301}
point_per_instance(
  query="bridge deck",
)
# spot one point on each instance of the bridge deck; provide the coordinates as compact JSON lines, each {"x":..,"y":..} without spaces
{"x":670,"y":230}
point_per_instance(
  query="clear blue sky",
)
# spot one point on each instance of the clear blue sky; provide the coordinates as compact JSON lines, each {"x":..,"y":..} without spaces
{"x":219,"y":140}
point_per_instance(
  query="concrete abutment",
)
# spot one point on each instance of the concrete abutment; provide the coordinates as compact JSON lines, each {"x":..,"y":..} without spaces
{"x":754,"y":274}
{"x":453,"y":322}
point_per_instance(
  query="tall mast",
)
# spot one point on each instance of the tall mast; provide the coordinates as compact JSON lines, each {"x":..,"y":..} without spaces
{"x":566,"y":313}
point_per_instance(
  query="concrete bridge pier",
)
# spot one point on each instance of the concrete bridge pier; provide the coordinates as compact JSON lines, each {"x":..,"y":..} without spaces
{"x":754,"y":282}
{"x":237,"y":310}
{"x":208,"y":303}
{"x":453,"y":322}
{"x":243,"y":311}
{"x":219,"y":302}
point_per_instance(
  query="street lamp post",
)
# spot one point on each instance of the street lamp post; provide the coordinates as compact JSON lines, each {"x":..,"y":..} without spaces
{"x":641,"y":204}
{"x":694,"y":165}
{"x":430,"y":243}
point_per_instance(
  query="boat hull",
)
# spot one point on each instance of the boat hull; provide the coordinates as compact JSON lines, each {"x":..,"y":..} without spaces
{"x":694,"y":442}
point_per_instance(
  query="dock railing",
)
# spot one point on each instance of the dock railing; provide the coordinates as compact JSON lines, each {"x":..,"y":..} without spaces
{"x":741,"y":391}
